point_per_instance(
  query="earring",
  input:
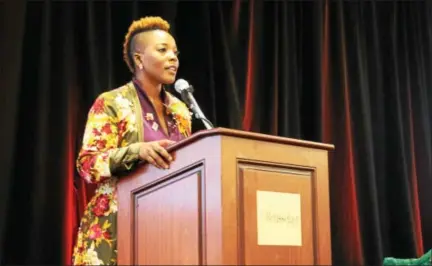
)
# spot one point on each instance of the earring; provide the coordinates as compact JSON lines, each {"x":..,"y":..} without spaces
{"x":140,"y":67}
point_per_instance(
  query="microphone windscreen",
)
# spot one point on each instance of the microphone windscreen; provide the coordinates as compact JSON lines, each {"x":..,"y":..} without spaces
{"x":181,"y":85}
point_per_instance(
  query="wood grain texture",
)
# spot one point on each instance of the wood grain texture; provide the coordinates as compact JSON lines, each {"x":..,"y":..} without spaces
{"x":203,"y":210}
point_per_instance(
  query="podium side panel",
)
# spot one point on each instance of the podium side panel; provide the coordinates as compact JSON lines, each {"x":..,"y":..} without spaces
{"x":168,"y":221}
{"x":173,"y":217}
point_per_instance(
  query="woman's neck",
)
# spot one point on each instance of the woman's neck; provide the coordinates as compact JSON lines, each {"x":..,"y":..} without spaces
{"x":150,"y":87}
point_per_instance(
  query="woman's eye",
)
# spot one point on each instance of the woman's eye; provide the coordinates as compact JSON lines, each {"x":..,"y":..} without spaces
{"x":177,"y":53}
{"x":162,"y":50}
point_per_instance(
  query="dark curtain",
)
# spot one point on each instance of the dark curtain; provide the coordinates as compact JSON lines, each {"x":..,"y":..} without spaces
{"x":352,"y":73}
{"x":380,"y":101}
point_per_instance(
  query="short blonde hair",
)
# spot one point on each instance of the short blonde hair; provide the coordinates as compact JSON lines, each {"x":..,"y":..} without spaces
{"x":138,"y":26}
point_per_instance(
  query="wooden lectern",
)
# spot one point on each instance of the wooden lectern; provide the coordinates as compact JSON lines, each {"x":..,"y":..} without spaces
{"x":230,"y":198}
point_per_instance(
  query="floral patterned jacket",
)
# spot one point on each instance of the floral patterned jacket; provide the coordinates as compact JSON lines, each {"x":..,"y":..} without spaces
{"x":110,"y":149}
{"x":114,"y":128}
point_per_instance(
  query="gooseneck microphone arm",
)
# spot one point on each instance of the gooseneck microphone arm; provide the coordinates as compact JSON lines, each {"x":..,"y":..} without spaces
{"x":186,"y":90}
{"x":190,"y":101}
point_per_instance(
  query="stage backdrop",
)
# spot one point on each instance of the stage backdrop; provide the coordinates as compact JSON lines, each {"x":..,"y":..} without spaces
{"x":357,"y":75}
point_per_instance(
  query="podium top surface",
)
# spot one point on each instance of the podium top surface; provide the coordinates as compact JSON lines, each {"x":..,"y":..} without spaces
{"x":249,"y":135}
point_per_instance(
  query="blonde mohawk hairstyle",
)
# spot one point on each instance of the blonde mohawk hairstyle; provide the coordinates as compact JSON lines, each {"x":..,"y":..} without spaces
{"x":142,"y":25}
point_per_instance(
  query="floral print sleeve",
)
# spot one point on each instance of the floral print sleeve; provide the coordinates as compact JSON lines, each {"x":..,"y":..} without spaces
{"x":103,"y":153}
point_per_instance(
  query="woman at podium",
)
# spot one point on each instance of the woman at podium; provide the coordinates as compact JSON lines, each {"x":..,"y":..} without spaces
{"x":125,"y":126}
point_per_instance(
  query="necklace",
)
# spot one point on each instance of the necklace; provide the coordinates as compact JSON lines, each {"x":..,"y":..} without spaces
{"x":155,"y":102}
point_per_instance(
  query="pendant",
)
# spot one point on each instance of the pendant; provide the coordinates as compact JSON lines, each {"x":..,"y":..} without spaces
{"x":155,"y":126}
{"x":149,"y":116}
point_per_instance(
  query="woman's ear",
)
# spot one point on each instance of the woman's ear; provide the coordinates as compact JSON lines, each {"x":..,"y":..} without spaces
{"x":138,"y":61}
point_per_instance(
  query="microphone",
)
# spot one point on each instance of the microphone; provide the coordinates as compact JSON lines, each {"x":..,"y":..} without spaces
{"x":186,"y":90}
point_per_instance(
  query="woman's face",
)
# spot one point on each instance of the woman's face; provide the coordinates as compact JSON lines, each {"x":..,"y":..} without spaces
{"x":156,"y":54}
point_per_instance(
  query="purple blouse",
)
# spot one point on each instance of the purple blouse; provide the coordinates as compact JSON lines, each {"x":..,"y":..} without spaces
{"x":152,"y":128}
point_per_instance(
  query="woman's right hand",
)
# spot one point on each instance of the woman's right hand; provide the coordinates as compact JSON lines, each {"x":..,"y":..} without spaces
{"x":155,"y":153}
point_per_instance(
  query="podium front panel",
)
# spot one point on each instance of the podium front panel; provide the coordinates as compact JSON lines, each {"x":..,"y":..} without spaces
{"x":273,"y":201}
{"x":276,"y":204}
